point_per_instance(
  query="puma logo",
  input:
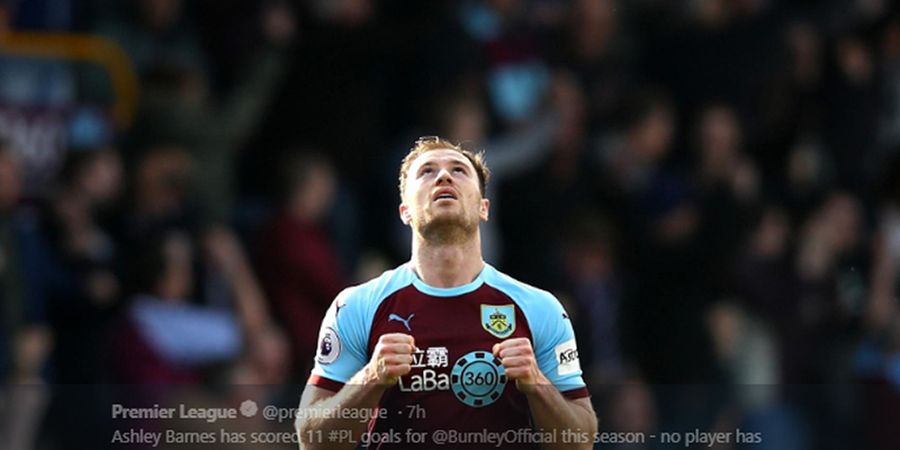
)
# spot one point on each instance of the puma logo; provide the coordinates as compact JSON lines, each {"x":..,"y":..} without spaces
{"x":400,"y":319}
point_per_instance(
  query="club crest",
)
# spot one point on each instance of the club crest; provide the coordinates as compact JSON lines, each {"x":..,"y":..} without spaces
{"x":499,"y":320}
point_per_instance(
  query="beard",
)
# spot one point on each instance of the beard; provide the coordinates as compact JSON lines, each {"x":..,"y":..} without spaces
{"x":446,"y":229}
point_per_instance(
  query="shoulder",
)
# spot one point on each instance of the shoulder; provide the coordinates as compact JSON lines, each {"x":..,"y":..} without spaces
{"x":371,"y":293}
{"x":544,"y":313}
{"x":526,"y":295}
{"x":351,"y":312}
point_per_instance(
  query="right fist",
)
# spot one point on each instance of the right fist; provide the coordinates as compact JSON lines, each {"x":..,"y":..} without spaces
{"x":392,"y":357}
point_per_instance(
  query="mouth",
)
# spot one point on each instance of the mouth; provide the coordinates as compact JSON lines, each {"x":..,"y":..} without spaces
{"x":444,"y":194}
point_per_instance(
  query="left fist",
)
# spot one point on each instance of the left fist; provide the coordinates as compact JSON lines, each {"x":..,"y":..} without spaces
{"x":517,"y":357}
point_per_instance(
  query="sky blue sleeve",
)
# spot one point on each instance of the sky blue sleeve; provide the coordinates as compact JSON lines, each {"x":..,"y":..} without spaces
{"x":555,"y":347}
{"x":343,"y":337}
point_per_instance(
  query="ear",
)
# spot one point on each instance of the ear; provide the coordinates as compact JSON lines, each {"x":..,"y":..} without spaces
{"x":484,"y":209}
{"x":405,"y":217}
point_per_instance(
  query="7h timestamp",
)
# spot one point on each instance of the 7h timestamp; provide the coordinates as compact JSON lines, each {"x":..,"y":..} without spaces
{"x":414,"y":412}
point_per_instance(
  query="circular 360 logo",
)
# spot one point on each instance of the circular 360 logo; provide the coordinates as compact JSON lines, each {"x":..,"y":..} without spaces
{"x":477,"y":379}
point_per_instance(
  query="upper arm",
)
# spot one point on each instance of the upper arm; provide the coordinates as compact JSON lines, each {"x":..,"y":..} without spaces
{"x":555,"y":347}
{"x":343,"y":338}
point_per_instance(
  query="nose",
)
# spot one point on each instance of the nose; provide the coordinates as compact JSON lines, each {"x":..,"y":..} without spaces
{"x":444,"y":176}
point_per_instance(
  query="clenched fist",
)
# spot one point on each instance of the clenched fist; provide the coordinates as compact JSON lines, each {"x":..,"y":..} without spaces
{"x":392,"y":357}
{"x":517,"y":357}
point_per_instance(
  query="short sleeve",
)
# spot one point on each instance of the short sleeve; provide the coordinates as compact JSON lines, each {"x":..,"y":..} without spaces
{"x":556,"y":349}
{"x":341,"y":349}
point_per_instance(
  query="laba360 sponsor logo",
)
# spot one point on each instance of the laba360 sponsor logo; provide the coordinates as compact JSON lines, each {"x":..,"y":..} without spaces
{"x":429,"y":380}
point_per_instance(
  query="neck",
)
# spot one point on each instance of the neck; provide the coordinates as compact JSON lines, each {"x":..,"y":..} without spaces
{"x":446,"y":265}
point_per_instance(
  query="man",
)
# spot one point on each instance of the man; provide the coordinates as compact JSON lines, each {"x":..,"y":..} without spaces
{"x":435,"y":343}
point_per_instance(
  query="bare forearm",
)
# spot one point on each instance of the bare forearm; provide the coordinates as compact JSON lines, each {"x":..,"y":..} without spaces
{"x":552,"y":411}
{"x":317,"y":420}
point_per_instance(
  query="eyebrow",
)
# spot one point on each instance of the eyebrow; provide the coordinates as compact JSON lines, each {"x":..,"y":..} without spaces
{"x":459,"y":162}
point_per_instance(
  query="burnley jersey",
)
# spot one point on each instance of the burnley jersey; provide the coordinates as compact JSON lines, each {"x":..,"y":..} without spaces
{"x":455,"y":383}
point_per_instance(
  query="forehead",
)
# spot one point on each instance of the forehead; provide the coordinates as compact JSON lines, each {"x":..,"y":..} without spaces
{"x":440,"y":156}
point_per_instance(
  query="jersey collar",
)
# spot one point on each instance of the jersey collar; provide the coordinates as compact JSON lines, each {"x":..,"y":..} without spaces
{"x":446,"y":292}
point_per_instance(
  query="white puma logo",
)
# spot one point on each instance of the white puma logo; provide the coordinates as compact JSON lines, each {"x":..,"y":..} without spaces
{"x":400,"y":319}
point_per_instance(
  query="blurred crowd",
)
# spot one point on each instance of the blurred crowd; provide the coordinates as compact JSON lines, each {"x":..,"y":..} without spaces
{"x":711,"y":187}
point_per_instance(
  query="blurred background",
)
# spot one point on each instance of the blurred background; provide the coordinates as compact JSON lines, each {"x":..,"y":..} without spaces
{"x":711,"y":187}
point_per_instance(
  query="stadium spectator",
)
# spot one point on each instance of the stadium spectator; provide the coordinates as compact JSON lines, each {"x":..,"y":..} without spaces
{"x":594,"y":48}
{"x":558,"y":184}
{"x":81,"y":276}
{"x":298,"y":264}
{"x":159,"y":194}
{"x":791,"y":103}
{"x":727,"y":184}
{"x":595,"y":289}
{"x":25,"y":338}
{"x":851,"y":114}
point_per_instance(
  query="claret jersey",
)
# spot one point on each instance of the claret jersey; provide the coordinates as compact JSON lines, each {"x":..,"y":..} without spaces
{"x":455,"y":382}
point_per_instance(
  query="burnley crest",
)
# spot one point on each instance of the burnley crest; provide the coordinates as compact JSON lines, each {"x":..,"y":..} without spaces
{"x":499,"y":320}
